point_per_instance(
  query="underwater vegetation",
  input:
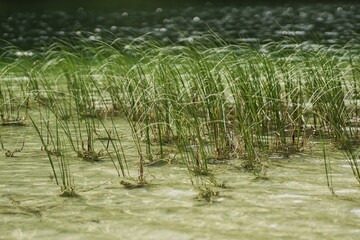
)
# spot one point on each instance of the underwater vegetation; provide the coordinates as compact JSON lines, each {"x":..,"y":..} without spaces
{"x":195,"y":104}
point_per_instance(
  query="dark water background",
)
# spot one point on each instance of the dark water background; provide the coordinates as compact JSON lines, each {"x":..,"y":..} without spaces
{"x":35,"y":25}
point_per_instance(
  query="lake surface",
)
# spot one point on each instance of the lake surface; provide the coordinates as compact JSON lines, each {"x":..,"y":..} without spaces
{"x":326,"y":24}
{"x":292,"y":202}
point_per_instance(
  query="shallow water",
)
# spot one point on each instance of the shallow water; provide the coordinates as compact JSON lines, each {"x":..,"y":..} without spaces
{"x":293,"y":203}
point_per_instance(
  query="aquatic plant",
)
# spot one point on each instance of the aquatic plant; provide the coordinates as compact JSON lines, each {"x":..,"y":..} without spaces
{"x":57,"y":157}
{"x":8,"y":152}
{"x":194,"y":104}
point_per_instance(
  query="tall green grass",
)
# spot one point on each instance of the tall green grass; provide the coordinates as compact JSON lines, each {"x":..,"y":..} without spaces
{"x":198,"y":104}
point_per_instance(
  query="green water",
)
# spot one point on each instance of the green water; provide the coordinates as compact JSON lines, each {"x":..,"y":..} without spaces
{"x":294,"y":203}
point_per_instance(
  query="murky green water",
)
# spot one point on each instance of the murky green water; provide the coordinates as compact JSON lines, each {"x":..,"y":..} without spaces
{"x":294,"y":203}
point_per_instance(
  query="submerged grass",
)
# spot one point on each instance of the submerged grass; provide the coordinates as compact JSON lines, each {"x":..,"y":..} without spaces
{"x":195,"y":104}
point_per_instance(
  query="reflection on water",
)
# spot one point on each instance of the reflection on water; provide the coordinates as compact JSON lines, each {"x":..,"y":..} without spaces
{"x":294,"y":203}
{"x":321,"y":23}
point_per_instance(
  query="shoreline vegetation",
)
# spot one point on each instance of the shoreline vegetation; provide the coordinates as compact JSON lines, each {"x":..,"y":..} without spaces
{"x":200,"y":103}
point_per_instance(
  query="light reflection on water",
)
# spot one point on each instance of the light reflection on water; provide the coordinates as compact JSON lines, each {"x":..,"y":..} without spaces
{"x":316,"y":23}
{"x":293,"y":203}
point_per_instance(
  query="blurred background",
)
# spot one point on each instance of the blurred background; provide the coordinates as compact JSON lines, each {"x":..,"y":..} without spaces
{"x":16,"y":5}
{"x":36,"y":23}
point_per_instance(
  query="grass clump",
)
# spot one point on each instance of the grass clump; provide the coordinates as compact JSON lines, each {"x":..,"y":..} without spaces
{"x":193,"y":105}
